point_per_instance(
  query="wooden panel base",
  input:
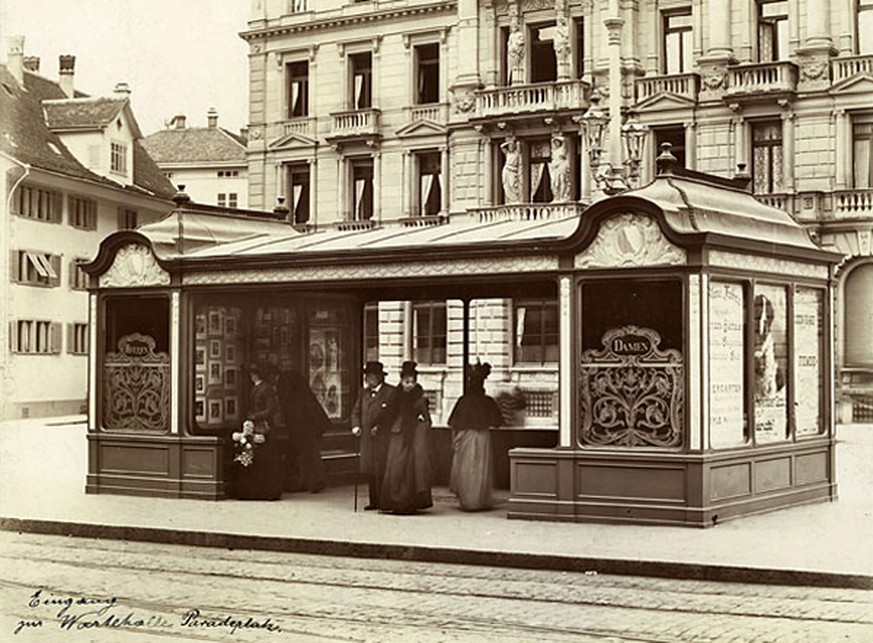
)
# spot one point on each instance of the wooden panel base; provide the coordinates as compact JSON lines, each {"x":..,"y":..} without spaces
{"x":697,"y":490}
{"x":165,"y":466}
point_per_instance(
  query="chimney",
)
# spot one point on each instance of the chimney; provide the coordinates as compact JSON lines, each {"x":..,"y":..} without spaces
{"x":179,"y":121}
{"x":14,"y":57}
{"x":31,"y":63}
{"x":122,"y":90}
{"x":212,"y":117}
{"x":66,"y":66}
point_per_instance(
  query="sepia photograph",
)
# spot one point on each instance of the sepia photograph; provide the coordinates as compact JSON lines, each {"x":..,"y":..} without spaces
{"x":436,"y":320}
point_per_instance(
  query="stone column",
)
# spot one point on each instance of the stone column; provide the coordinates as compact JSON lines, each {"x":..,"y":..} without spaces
{"x":377,"y":185}
{"x":614,"y":24}
{"x":313,"y":189}
{"x":444,"y":179}
{"x":843,"y":143}
{"x":493,"y":48}
{"x":690,"y":145}
{"x":468,"y":42}
{"x":405,"y":185}
{"x":719,"y":54}
{"x":488,"y":179}
{"x":788,"y":120}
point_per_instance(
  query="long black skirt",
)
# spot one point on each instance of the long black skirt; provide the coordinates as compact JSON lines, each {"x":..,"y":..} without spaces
{"x":262,"y":479}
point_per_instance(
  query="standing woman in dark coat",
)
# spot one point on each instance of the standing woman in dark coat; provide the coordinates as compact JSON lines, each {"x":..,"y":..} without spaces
{"x":406,"y":484}
{"x":305,"y":421}
{"x":472,"y":477}
{"x":261,"y":480}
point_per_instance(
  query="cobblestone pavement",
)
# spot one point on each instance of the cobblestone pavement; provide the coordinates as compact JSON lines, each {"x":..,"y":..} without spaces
{"x":151,"y":592}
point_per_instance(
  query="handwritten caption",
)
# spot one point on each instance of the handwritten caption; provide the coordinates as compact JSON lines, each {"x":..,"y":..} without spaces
{"x":77,"y":613}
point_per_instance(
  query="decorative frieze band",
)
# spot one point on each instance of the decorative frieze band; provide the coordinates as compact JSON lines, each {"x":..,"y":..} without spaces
{"x":369,"y":272}
{"x":757,"y":263}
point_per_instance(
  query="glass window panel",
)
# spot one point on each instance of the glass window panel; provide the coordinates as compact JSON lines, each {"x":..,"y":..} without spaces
{"x":330,"y":351}
{"x":771,"y":363}
{"x":808,"y":356}
{"x":862,"y":165}
{"x":727,"y":364}
{"x":865,"y":30}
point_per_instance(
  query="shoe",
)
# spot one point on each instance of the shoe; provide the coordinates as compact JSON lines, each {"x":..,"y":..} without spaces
{"x":370,"y":508}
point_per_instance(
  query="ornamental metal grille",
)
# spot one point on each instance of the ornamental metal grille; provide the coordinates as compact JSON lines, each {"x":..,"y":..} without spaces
{"x":136,"y":387}
{"x":631,"y":392}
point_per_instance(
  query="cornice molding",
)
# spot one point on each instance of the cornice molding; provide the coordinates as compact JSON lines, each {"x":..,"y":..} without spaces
{"x":344,"y":21}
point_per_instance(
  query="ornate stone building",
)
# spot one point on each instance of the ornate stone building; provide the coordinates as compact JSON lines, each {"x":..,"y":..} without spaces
{"x":418,"y":112}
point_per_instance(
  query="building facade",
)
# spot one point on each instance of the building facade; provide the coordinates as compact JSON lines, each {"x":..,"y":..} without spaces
{"x":408,"y":113}
{"x":209,"y":161}
{"x":73,"y":170}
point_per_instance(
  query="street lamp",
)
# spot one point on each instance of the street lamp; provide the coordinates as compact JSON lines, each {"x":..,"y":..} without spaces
{"x":595,"y":125}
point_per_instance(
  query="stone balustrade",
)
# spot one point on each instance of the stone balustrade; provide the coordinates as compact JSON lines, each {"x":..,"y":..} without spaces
{"x":762,"y":78}
{"x":684,"y":85}
{"x":539,"y":97}
{"x":361,"y":122}
{"x":853,"y":203}
{"x":527,"y":212}
{"x":304,"y":126}
{"x":435,"y":112}
{"x":843,"y":68}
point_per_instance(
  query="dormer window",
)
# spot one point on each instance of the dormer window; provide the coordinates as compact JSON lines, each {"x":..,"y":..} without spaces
{"x":118,"y":158}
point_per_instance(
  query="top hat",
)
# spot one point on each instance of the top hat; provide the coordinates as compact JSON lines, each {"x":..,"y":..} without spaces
{"x":408,"y":369}
{"x":375,"y":368}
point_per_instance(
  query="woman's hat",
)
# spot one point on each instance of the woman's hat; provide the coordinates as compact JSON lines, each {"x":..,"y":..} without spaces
{"x":375,"y":368}
{"x":408,"y":369}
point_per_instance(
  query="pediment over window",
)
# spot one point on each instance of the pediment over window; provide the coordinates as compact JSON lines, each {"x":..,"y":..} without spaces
{"x":858,"y":84}
{"x":292,"y":141}
{"x":422,"y":128}
{"x":665,"y":101}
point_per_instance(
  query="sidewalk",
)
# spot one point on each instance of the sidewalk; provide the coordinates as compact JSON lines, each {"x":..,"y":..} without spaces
{"x":42,"y":479}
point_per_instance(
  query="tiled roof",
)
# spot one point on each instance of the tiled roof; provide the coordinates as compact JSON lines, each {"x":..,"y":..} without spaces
{"x":195,"y":145}
{"x":25,"y":136}
{"x":82,"y":112}
{"x":24,"y":133}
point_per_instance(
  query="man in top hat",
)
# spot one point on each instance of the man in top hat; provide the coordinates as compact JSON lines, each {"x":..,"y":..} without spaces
{"x":371,"y":407}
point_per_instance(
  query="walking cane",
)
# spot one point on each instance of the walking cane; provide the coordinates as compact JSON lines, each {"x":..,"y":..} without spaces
{"x":357,"y":468}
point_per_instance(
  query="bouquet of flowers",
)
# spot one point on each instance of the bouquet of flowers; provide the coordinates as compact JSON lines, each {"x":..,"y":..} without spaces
{"x":245,"y":442}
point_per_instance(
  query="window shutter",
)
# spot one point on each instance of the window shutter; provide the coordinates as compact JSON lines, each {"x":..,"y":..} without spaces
{"x":57,"y":207}
{"x":71,"y":330}
{"x":55,"y":338}
{"x":13,"y":336}
{"x":55,"y":261}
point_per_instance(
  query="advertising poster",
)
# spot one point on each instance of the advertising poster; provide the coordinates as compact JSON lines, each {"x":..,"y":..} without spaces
{"x":726,"y":364}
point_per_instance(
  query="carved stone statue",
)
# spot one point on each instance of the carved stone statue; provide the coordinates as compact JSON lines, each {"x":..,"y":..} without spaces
{"x":561,"y":44}
{"x":511,"y":175}
{"x":559,"y":171}
{"x":515,"y":52}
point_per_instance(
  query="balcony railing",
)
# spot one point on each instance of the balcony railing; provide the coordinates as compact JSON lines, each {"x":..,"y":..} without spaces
{"x":351,"y":226}
{"x":298,"y":6}
{"x":521,"y":99}
{"x":843,"y":68}
{"x":684,"y":85}
{"x":435,"y":112}
{"x":854,"y":203}
{"x":304,"y":126}
{"x":774,"y":200}
{"x":762,"y":78}
{"x":423,"y":221}
{"x":362,"y":122}
{"x":527,"y":212}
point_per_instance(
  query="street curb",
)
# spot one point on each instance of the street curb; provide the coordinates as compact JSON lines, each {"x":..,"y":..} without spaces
{"x":520,"y":560}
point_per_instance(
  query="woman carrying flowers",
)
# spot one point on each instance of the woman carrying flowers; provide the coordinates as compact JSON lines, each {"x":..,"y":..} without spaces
{"x":257,"y":457}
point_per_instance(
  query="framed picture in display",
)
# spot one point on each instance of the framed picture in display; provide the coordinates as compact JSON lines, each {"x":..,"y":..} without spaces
{"x":215,"y":322}
{"x":230,"y":377}
{"x":231,"y":408}
{"x":216,"y":412}
{"x":200,"y":358}
{"x":200,"y":409}
{"x":215,"y":373}
{"x":215,"y":351}
{"x":200,"y":325}
{"x":200,"y":383}
{"x":230,"y":354}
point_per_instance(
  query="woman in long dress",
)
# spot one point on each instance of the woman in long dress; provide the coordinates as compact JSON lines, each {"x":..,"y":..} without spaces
{"x":406,"y":484}
{"x":472,"y":477}
{"x":261,"y":479}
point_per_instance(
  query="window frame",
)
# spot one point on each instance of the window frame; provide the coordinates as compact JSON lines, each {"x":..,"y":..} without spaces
{"x":293,"y":171}
{"x":118,"y":157}
{"x":420,"y":158}
{"x":365,"y":101}
{"x":770,"y":145}
{"x":303,"y":80}
{"x":778,"y":46}
{"x":78,"y":338}
{"x":429,"y":355}
{"x":81,"y":212}
{"x":36,"y":269}
{"x":38,"y":203}
{"x":125,"y":215}
{"x":436,"y":63}
{"x":541,"y":304}
{"x":360,"y":164}
{"x":43,"y":337}
{"x":685,"y":40}
{"x":863,"y":9}
{"x":862,"y":122}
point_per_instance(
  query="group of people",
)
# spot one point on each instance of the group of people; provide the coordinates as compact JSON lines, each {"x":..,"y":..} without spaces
{"x":392,"y":425}
{"x":282,"y":410}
